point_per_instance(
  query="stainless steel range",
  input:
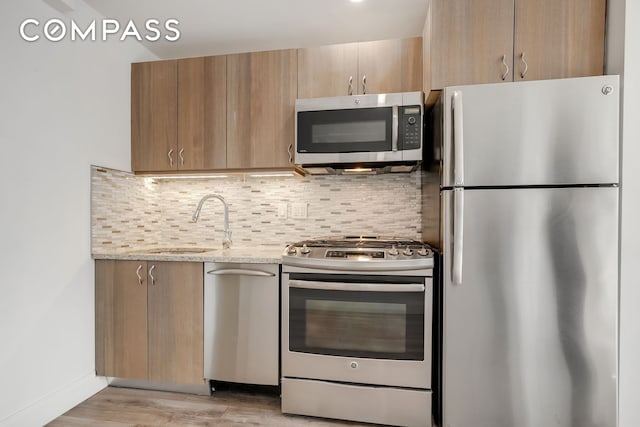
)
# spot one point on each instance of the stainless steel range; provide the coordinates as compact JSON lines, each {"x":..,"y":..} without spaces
{"x":356,"y":329}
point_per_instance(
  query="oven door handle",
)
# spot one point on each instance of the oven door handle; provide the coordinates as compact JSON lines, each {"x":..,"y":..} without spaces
{"x":362,"y":287}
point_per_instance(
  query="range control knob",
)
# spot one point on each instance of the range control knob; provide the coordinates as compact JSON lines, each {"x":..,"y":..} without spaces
{"x":305,"y":250}
{"x":423,"y":251}
{"x":393,"y":251}
{"x":411,"y":120}
{"x":407,"y":252}
{"x":291,"y":250}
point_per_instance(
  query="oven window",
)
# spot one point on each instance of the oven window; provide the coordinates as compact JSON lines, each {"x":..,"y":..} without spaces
{"x":380,"y":325}
{"x":345,"y":131}
{"x":369,"y":326}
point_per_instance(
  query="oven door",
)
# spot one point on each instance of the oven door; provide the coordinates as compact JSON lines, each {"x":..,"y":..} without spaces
{"x":357,"y":328}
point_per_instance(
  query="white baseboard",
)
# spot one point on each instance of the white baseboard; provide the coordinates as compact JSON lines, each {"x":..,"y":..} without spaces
{"x":57,"y":402}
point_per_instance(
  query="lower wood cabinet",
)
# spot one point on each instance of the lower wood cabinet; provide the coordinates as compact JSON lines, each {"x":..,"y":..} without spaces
{"x":149,"y":320}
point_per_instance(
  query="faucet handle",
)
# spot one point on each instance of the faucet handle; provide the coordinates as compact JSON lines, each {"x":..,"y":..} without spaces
{"x":226,"y":241}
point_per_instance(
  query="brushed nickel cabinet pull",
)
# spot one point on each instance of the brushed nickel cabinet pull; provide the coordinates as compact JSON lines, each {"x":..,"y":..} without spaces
{"x":138,"y":274}
{"x":526,"y":66}
{"x":181,"y":156}
{"x":290,"y":154}
{"x":506,"y":67}
{"x":350,"y":85}
{"x":170,"y":157}
{"x":364,"y":84}
{"x":153,"y":279}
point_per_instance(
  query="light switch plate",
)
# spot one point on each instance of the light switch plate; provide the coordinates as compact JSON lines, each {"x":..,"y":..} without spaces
{"x":298,"y":210}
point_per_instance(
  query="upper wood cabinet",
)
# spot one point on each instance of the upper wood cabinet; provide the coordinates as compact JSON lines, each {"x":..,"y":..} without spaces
{"x":149,"y":320}
{"x":178,"y":115}
{"x":154,"y":121}
{"x":559,"y":38}
{"x":261,"y":94}
{"x":384,"y":66}
{"x":202,"y":113}
{"x":237,"y":111}
{"x":471,"y":42}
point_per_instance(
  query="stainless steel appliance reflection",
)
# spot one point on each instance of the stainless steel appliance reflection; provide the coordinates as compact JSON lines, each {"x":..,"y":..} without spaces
{"x":530,"y":253}
{"x":356,"y":330}
{"x":241,"y":323}
{"x":381,"y":132}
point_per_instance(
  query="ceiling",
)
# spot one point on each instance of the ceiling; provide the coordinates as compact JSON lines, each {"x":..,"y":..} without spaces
{"x":210,"y":27}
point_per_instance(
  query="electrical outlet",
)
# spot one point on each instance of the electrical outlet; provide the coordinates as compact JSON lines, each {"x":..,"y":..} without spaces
{"x":282,"y":210}
{"x":298,"y":210}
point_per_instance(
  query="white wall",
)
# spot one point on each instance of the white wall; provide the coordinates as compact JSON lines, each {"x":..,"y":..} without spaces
{"x":630,"y":224}
{"x":63,"y":106}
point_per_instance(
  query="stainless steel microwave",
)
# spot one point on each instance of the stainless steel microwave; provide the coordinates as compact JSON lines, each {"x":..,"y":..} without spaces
{"x":359,"y":131}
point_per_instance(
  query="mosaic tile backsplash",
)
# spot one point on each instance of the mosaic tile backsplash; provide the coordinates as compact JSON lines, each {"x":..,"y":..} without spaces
{"x":129,"y":211}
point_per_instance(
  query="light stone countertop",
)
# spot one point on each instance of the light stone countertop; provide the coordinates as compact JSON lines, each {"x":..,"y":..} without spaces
{"x":250,"y":255}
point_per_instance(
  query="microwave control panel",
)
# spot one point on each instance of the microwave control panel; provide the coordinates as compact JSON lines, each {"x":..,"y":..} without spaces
{"x":410,"y":128}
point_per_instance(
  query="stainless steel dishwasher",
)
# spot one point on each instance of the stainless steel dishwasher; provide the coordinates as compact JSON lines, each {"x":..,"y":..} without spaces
{"x":241,"y":323}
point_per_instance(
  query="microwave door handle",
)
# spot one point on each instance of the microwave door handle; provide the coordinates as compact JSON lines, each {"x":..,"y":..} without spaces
{"x":394,"y":128}
{"x":363,"y":287}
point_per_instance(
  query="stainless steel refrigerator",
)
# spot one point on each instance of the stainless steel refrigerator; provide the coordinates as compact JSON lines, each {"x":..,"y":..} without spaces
{"x":529,"y":196}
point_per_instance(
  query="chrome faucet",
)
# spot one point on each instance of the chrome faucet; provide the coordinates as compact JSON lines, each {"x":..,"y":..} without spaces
{"x":226,"y":241}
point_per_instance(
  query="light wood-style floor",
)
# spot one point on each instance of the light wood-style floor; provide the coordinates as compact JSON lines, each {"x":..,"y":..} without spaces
{"x":130,"y":407}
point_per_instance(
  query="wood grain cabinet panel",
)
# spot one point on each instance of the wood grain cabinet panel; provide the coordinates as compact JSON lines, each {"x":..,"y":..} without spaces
{"x":559,"y":38}
{"x":154,"y":116}
{"x":328,"y":70}
{"x":483,"y":41}
{"x":121,"y":319}
{"x":202,"y":113}
{"x":149,"y":320}
{"x":176,"y":323}
{"x":383,"y":66}
{"x":261,"y":94}
{"x":468,"y":39}
{"x":390,"y":66}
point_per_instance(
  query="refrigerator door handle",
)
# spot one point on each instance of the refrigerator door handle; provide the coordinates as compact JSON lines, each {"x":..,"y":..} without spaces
{"x":458,"y":236}
{"x":458,"y":140}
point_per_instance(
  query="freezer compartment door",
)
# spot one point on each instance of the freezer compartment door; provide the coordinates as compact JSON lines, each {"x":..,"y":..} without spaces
{"x":549,"y":132}
{"x":530,"y":323}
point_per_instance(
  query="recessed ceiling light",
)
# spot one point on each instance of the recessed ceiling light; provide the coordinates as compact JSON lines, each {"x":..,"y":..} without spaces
{"x":356,"y":1}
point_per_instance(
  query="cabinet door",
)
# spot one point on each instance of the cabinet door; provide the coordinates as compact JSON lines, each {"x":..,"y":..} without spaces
{"x":469,"y":39}
{"x":261,"y":94}
{"x":389,"y":66}
{"x":559,"y":38}
{"x":154,"y":116}
{"x":202,"y":113}
{"x":327,"y":70}
{"x":121,"y":319}
{"x":176,"y":322}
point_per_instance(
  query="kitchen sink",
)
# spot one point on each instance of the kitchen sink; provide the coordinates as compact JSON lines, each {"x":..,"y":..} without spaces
{"x":176,"y":251}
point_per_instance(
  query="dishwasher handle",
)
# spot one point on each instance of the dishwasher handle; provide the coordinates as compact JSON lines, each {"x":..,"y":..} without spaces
{"x":366,"y":287}
{"x":240,"y":272}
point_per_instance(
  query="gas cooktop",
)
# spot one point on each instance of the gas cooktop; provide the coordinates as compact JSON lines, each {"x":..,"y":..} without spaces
{"x":360,"y":252}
